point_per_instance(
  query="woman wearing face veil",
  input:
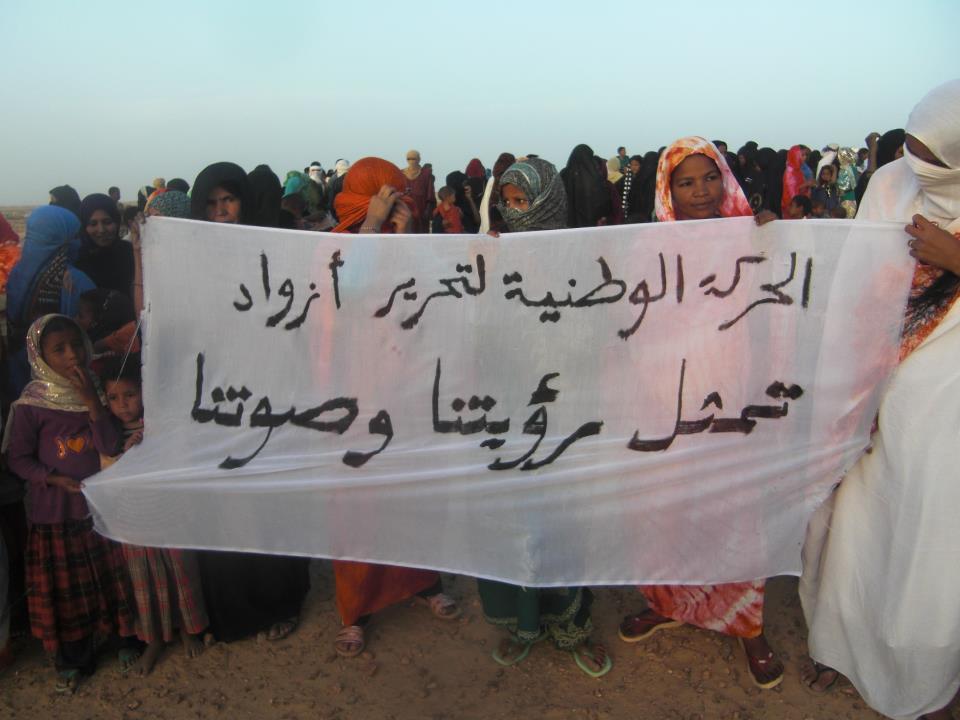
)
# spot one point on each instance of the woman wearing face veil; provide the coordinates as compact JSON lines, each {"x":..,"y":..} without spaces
{"x":880,"y":576}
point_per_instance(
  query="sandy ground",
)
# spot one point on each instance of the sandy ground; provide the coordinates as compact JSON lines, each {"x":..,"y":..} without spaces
{"x":421,"y":668}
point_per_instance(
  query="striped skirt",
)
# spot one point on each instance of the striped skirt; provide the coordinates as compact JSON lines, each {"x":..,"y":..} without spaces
{"x":166,"y":586}
{"x":77,"y":584}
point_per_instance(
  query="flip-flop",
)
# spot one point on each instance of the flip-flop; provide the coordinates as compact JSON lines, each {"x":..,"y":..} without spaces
{"x":770,"y":684}
{"x":820,"y":670}
{"x":282,"y":629}
{"x":128,"y":657}
{"x":607,"y":664}
{"x":654,"y":628}
{"x":519,"y":658}
{"x":441,"y":606}
{"x":67,"y":681}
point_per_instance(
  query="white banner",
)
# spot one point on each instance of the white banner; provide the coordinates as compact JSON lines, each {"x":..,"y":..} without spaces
{"x":643,"y":403}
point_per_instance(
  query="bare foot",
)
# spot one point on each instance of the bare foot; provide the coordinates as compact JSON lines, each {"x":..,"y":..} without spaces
{"x":764,"y":665}
{"x":818,"y":678}
{"x":192,"y":645}
{"x":149,"y":658}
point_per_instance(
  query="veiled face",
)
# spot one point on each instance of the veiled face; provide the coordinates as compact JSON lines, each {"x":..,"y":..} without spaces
{"x":696,"y":189}
{"x":921,"y":151}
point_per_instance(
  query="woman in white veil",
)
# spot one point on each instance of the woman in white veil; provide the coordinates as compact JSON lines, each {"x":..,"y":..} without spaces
{"x":881,"y":580}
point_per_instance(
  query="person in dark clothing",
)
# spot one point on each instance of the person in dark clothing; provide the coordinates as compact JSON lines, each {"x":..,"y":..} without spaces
{"x":588,"y":197}
{"x":104,"y":257}
{"x":245,"y":593}
{"x":66,"y":197}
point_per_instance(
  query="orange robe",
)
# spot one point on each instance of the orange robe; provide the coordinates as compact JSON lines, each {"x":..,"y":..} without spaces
{"x":365,"y":588}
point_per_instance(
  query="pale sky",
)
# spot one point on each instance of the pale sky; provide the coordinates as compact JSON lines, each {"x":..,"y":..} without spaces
{"x":102,"y":93}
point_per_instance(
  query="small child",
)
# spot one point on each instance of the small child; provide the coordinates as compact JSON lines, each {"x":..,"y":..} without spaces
{"x":800,"y":208}
{"x":166,"y":583}
{"x":57,"y":428}
{"x":826,"y":192}
{"x":447,"y":217}
{"x":109,"y":320}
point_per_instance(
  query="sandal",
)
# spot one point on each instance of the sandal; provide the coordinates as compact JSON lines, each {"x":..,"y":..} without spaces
{"x":67,"y":681}
{"x":635,"y":628}
{"x":757,"y":665}
{"x":578,"y":659}
{"x":819,"y":669}
{"x":282,"y":629}
{"x":527,"y":645}
{"x":128,"y":657}
{"x":349,"y":642}
{"x":441,"y":605}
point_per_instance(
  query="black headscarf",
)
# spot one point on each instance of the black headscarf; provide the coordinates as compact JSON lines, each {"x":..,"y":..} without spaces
{"x":66,"y":197}
{"x":750,"y":176}
{"x":267,"y":191}
{"x":230,"y":177}
{"x":887,"y":145}
{"x":588,"y":197}
{"x":457,"y":180}
{"x":109,"y":267}
{"x":772,"y":164}
{"x":178,"y":184}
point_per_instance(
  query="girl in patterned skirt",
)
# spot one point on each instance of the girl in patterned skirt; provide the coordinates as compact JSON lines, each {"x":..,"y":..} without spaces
{"x":57,"y":428}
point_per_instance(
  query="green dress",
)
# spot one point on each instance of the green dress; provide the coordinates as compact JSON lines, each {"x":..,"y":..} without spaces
{"x":562,"y":614}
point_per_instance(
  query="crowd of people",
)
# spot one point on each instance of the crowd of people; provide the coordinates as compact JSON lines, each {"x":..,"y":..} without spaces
{"x":877,"y":589}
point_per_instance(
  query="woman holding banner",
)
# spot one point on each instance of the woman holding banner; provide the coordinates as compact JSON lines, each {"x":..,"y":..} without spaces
{"x":245,"y":593}
{"x":880,"y":578}
{"x":532,"y":197}
{"x":372,"y":202}
{"x":695,"y":183}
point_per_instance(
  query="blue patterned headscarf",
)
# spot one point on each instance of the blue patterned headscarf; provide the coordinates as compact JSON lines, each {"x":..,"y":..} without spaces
{"x":540,"y":182}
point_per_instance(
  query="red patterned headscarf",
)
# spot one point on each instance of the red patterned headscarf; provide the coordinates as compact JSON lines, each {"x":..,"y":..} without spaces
{"x":734,"y":201}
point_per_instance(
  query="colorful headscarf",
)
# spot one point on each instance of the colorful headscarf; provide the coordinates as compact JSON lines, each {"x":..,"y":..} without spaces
{"x":171,"y":203}
{"x":48,"y":389}
{"x":793,"y":178}
{"x":541,"y":183}
{"x":734,"y":201}
{"x":364,"y":180}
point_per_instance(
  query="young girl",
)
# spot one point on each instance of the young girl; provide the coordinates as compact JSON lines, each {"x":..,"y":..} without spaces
{"x":166,"y":583}
{"x":56,"y":430}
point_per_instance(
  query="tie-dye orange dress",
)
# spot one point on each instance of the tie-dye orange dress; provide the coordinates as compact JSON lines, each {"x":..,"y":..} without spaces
{"x":730,"y":608}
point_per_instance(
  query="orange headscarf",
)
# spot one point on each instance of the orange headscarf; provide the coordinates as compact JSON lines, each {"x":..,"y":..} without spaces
{"x":364,"y":180}
{"x":734,"y":201}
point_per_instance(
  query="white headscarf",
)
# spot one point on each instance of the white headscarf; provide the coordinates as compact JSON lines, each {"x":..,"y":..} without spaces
{"x":909,"y":185}
{"x":934,"y":122}
{"x":341,"y":167}
{"x":827,"y":159}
